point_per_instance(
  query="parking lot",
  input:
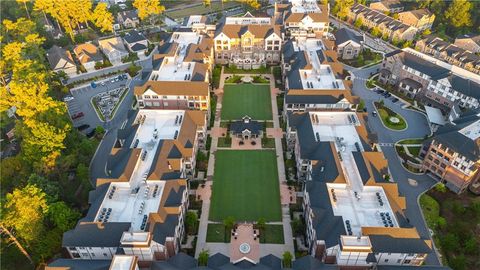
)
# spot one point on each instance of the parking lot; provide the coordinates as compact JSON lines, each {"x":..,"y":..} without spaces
{"x":80,"y":107}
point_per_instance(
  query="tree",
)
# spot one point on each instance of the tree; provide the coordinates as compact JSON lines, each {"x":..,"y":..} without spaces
{"x":376,"y":32}
{"x":24,"y":2}
{"x":458,"y":262}
{"x":342,"y":7}
{"x":261,"y":223}
{"x":458,"y":13}
{"x":102,"y":18}
{"x":426,"y":32}
{"x":424,"y":3}
{"x":287,"y":259}
{"x":323,"y":2}
{"x":228,"y":224}
{"x":49,"y":187}
{"x":24,"y":211}
{"x":191,"y":222}
{"x":147,"y":8}
{"x":207,"y":3}
{"x":203,"y":258}
{"x":62,"y":216}
{"x":449,"y":242}
{"x":359,"y":23}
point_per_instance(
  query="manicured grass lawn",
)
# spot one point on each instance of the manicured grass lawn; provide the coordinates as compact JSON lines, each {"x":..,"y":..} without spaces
{"x":245,"y":186}
{"x":268,"y":143}
{"x":431,"y":210}
{"x":273,"y":234}
{"x":385,"y":114}
{"x":246,"y":99}
{"x":411,"y":141}
{"x":216,"y":233}
{"x":224,"y":142}
{"x":414,"y":150}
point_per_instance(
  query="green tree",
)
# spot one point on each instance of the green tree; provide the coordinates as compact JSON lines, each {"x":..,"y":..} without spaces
{"x":191,"y":222}
{"x":62,"y":216}
{"x":450,"y":242}
{"x":359,"y":23}
{"x":24,"y":211}
{"x":471,"y":245}
{"x":287,"y":259}
{"x":203,"y":258}
{"x":458,"y":13}
{"x":261,"y":224}
{"x":49,"y":187}
{"x":228,"y":224}
{"x":458,"y":262}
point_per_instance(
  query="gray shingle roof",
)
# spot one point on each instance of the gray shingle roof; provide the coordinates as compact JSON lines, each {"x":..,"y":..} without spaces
{"x":134,"y":36}
{"x":343,"y":35}
{"x":95,"y":235}
{"x":74,"y":264}
{"x":388,"y":244}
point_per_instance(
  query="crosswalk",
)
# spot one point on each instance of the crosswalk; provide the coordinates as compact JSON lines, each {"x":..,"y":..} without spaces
{"x":386,"y":144}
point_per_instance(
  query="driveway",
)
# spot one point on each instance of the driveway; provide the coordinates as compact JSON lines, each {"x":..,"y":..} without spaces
{"x":417,"y":128}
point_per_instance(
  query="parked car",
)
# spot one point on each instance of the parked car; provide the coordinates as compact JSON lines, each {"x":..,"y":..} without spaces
{"x":77,"y":115}
{"x":103,"y":83}
{"x":93,"y":85}
{"x":365,"y":109}
{"x":125,"y":76}
{"x":83,"y":127}
{"x":394,"y":100}
{"x":91,"y":133}
{"x":374,"y":113}
{"x":68,"y":98}
{"x":380,"y":91}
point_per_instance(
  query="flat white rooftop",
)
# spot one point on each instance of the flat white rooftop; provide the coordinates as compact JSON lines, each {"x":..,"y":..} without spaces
{"x":122,"y":262}
{"x":367,"y":208}
{"x":174,"y":69}
{"x":304,"y":6}
{"x":339,"y":127}
{"x":186,"y":38}
{"x":194,"y":19}
{"x":132,"y":201}
{"x":320,"y":76}
{"x":471,"y":131}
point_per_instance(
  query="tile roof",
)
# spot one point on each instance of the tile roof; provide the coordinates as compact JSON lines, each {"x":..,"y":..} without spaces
{"x":87,"y":52}
{"x":179,"y":88}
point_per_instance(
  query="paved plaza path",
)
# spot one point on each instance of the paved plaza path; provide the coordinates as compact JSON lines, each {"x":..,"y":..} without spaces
{"x":277,"y":133}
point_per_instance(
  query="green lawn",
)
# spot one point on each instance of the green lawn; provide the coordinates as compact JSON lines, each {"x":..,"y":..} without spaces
{"x":216,"y":233}
{"x":386,"y":114}
{"x":245,"y":186}
{"x":273,"y":234}
{"x":411,"y":141}
{"x":224,"y":142}
{"x":246,"y":99}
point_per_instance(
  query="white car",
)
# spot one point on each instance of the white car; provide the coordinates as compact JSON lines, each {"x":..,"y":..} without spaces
{"x":68,"y":98}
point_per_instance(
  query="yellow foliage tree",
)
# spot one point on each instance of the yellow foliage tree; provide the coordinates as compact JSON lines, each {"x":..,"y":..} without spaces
{"x":102,"y":18}
{"x":147,"y":7}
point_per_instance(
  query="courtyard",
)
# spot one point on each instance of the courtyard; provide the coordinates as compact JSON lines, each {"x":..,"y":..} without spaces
{"x":245,"y":186}
{"x":246,"y":99}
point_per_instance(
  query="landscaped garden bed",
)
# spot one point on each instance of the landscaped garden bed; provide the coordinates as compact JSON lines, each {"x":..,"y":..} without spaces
{"x":366,"y":57}
{"x":390,"y":118}
{"x":235,"y":70}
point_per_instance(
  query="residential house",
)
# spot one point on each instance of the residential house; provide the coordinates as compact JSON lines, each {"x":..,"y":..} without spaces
{"x":452,"y":155}
{"x":314,"y":79}
{"x":139,"y":207}
{"x":303,"y":19}
{"x":136,"y":43}
{"x":387,"y":6}
{"x":420,"y":18}
{"x":247,"y":42}
{"x":168,"y":95}
{"x":114,"y":49}
{"x":450,"y":53}
{"x":388,"y":26}
{"x":61,"y":60}
{"x":128,"y":19}
{"x":344,"y":176}
{"x":88,"y":54}
{"x":468,"y":42}
{"x":348,"y":44}
{"x":430,"y":81}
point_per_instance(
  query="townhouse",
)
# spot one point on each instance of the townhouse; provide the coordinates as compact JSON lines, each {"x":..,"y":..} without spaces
{"x":302,"y":19}
{"x":452,"y":155}
{"x":61,"y":60}
{"x":469,"y":42}
{"x":314,"y":79}
{"x":348,"y":44}
{"x":388,"y":26}
{"x":387,"y":6}
{"x":248,"y":42}
{"x":430,"y":81}
{"x":114,"y":49}
{"x":449,"y":53}
{"x":139,"y":205}
{"x":420,"y":18}
{"x":353,"y":212}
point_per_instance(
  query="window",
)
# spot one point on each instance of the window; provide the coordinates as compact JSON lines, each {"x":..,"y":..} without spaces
{"x":406,"y":261}
{"x":386,"y":260}
{"x":146,"y":96}
{"x":75,"y":255}
{"x":105,"y":255}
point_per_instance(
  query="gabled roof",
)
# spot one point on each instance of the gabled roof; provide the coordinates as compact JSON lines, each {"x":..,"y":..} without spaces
{"x":95,"y":235}
{"x":112,"y":44}
{"x":344,"y":35}
{"x":57,"y":55}
{"x":134,"y":36}
{"x":178,"y":88}
{"x":87,"y":52}
{"x":258,"y":30}
{"x":128,"y":14}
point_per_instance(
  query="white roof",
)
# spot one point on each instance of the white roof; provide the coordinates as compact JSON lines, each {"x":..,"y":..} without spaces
{"x":132,"y":201}
{"x":122,"y":262}
{"x":435,"y":116}
{"x":304,"y":6}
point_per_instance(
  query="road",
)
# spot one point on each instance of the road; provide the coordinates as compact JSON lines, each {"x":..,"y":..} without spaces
{"x":370,"y":41}
{"x":417,"y":128}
